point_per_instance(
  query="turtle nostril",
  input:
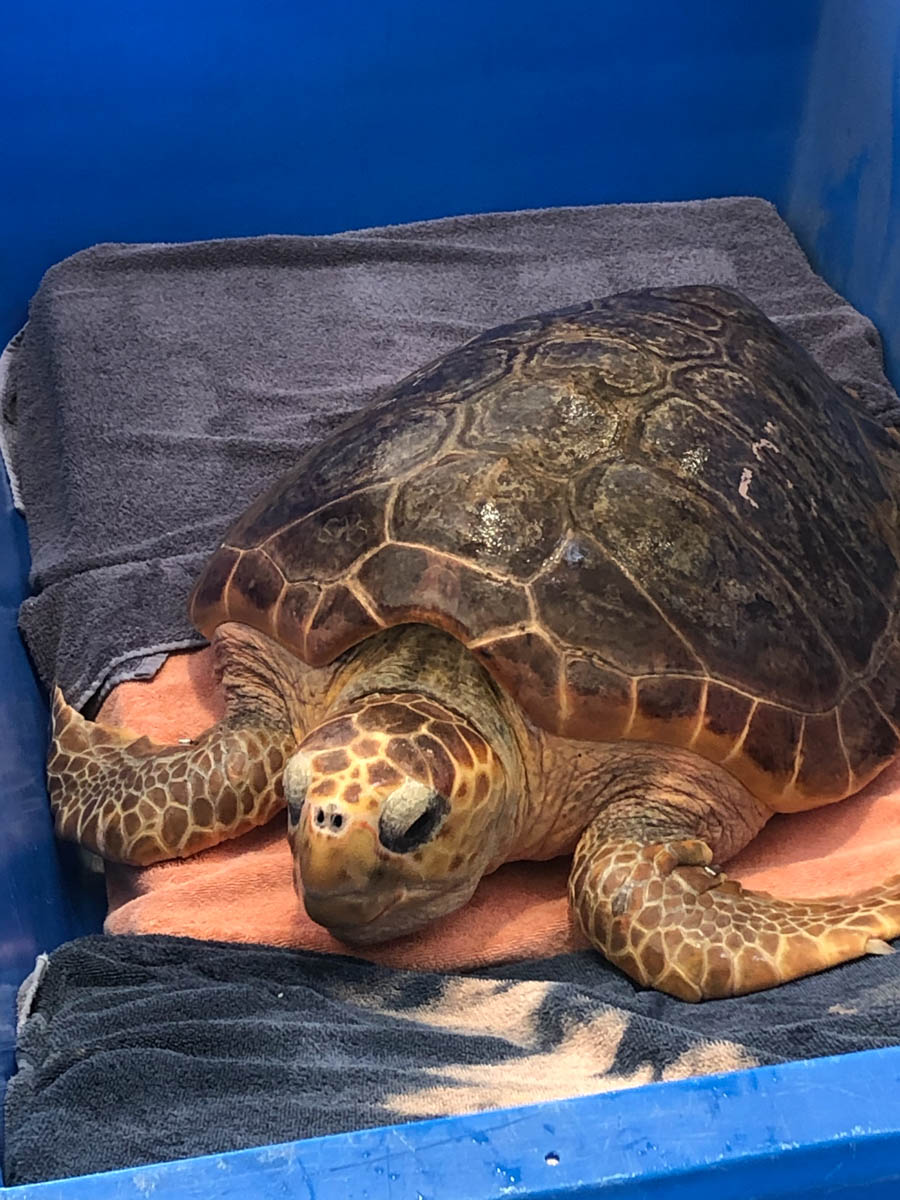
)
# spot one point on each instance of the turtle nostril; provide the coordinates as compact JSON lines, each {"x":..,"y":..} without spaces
{"x":328,"y":817}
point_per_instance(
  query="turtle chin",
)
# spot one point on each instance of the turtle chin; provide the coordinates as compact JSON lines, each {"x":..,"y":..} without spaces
{"x":365,"y":919}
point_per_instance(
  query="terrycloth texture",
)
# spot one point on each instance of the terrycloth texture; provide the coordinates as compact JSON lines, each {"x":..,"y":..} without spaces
{"x":158,"y":389}
{"x":139,"y":1050}
{"x":242,"y":890}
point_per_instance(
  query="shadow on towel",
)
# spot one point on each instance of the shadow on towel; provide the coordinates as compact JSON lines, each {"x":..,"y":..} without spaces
{"x":241,"y":891}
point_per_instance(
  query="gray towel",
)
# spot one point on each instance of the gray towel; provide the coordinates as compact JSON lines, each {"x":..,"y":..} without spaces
{"x":159,"y":388}
{"x":143,"y":1049}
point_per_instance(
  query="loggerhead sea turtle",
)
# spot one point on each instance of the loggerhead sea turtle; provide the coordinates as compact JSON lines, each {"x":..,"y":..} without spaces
{"x":620,"y":579}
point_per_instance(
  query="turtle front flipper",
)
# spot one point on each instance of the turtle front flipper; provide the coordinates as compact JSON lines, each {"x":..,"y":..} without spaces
{"x":132,"y":800}
{"x":138,"y":802}
{"x":646,"y":894}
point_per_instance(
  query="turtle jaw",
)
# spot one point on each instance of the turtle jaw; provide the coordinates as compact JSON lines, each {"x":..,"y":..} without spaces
{"x":349,"y":917}
{"x":365,"y":919}
{"x":360,"y":891}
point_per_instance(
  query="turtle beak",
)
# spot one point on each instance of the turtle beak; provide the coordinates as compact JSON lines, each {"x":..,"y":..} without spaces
{"x":338,"y":868}
{"x":337,"y":852}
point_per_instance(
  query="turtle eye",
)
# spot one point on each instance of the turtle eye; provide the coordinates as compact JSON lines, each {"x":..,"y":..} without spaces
{"x":296,"y":785}
{"x":411,"y":816}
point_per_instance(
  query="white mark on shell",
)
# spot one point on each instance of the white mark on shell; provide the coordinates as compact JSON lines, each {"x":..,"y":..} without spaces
{"x":744,"y":487}
{"x":763,"y":444}
{"x":693,"y":461}
{"x":491,"y":527}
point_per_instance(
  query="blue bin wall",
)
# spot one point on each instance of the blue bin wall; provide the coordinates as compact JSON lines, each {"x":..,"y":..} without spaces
{"x":171,"y":122}
{"x":34,"y":912}
{"x":843,"y":195}
{"x":46,"y":896}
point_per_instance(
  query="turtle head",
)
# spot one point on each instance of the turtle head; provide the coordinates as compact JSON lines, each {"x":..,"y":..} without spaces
{"x":396,"y":809}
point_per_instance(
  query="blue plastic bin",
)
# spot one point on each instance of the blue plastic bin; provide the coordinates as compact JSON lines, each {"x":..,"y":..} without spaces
{"x":175,"y":121}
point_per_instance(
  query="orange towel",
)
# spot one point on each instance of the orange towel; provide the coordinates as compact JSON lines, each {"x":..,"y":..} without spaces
{"x":242,"y":891}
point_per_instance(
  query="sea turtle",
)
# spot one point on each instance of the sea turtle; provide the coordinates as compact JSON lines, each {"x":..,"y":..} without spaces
{"x":619,"y":579}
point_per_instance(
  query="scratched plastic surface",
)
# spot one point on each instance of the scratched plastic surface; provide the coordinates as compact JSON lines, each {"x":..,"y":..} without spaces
{"x":178,"y":122}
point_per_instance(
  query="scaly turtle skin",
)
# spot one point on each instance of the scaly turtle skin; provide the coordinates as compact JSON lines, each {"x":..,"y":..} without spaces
{"x":620,"y":579}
